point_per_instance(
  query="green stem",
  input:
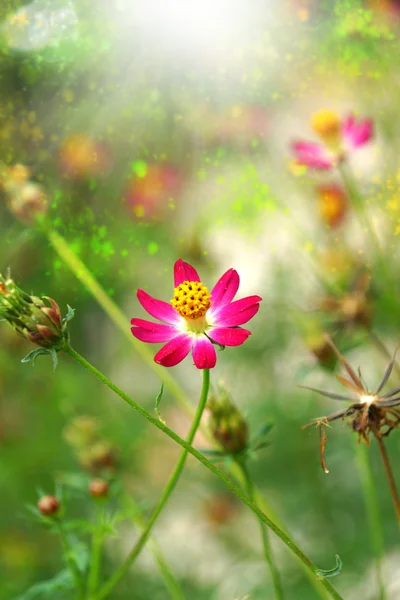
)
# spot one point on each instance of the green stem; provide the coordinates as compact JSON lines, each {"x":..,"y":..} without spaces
{"x":114,"y":312}
{"x":83,"y":274}
{"x":373,"y":516}
{"x":71,"y":562}
{"x":390,"y":477}
{"x":97,"y":543}
{"x":310,"y":566}
{"x":169,"y":488}
{"x":171,"y":582}
{"x":268,"y":554}
{"x":359,"y":204}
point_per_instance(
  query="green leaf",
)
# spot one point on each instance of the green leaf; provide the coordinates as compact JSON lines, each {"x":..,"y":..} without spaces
{"x":69,"y":316}
{"x":320,"y":573}
{"x":57,"y":587}
{"x":158,"y":400}
{"x":34,"y":354}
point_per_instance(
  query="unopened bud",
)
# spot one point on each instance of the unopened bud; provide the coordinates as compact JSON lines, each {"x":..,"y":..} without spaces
{"x":48,"y":505}
{"x":98,"y":488}
{"x":26,"y":199}
{"x":227,"y":425}
{"x":98,"y":456}
{"x":31,"y":317}
{"x":332,"y":204}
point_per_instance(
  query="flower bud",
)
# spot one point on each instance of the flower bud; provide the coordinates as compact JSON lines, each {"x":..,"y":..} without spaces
{"x":98,"y":456}
{"x":227,"y":425}
{"x":332,"y":204}
{"x":31,"y":317}
{"x":48,"y":505}
{"x":98,"y":488}
{"x":82,"y":431}
{"x":26,"y":199}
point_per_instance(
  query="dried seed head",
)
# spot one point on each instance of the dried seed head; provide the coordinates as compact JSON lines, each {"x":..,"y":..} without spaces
{"x":48,"y":505}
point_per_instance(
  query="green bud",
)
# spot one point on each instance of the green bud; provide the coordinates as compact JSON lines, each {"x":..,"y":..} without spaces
{"x":31,"y":317}
{"x":227,"y":425}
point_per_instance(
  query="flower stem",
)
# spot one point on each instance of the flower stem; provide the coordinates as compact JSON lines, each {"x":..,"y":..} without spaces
{"x":389,"y":475}
{"x":171,"y":583}
{"x":373,"y":516}
{"x":308,"y":564}
{"x":169,"y":488}
{"x":70,"y":561}
{"x":268,"y":554}
{"x":382,"y":348}
{"x":97,"y":542}
{"x":114,"y":312}
{"x":116,"y":315}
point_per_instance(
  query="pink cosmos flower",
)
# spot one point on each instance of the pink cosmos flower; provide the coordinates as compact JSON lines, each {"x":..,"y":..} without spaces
{"x":340,"y":137}
{"x":196,"y":319}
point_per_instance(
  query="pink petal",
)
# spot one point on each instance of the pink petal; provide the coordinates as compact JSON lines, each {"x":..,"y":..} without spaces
{"x":146,"y":331}
{"x":204,"y":355}
{"x":184,"y":272}
{"x":357,"y":134}
{"x":312,"y":155}
{"x":174,"y":351}
{"x":228,"y":336}
{"x":158,"y":308}
{"x":225,"y":289}
{"x":239,"y":312}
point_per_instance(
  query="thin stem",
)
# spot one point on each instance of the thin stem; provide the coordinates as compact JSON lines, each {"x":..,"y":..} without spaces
{"x":373,"y":516}
{"x":308,"y":564}
{"x":169,"y":488}
{"x":71,"y":562}
{"x":114,"y":312}
{"x":83,"y":274}
{"x":268,"y":554}
{"x":389,"y":475}
{"x":382,"y":348}
{"x":359,"y":204}
{"x":97,"y":543}
{"x":171,"y":582}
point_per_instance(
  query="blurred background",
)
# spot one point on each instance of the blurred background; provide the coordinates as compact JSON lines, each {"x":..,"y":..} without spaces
{"x":155,"y":130}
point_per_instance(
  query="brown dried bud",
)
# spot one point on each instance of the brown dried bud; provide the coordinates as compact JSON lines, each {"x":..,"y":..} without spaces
{"x":48,"y":505}
{"x":98,"y":488}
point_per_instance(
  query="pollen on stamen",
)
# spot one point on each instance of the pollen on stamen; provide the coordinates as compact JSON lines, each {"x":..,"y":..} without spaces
{"x":198,"y":296}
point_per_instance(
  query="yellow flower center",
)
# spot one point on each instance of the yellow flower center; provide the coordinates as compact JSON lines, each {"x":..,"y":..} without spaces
{"x":191,"y":299}
{"x":327,"y":124}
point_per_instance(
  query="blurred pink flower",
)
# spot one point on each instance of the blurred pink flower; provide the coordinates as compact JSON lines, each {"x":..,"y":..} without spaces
{"x":339,"y":137}
{"x":148,"y":193}
{"x":196,"y":319}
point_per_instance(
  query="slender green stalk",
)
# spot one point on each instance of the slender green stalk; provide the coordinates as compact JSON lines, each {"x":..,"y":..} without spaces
{"x":390,"y":477}
{"x":359,"y":204}
{"x":372,"y":510}
{"x":309,"y":565}
{"x":116,"y":315}
{"x":169,"y":488}
{"x":171,"y":583}
{"x":268,"y":554}
{"x":114,"y":312}
{"x":97,"y":543}
{"x":71,"y":562}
